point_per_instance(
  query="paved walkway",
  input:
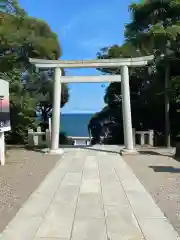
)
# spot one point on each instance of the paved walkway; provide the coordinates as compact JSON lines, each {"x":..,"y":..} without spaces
{"x":90,"y":195}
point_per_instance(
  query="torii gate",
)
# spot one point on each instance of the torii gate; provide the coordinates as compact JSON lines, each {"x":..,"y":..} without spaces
{"x":122,"y":63}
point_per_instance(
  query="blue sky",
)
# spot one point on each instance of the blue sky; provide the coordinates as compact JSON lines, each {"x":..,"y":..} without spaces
{"x":83,"y":27}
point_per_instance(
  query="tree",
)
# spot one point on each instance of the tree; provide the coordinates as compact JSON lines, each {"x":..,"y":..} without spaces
{"x":11,"y":7}
{"x":41,"y":87}
{"x":145,"y":91}
{"x":155,"y":29}
{"x":139,"y":80}
{"x":23,"y":37}
{"x":22,"y":109}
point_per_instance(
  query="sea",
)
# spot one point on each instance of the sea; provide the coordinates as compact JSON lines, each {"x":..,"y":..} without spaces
{"x":75,"y":124}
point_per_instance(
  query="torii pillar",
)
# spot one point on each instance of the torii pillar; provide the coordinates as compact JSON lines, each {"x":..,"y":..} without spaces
{"x":56,"y":110}
{"x":126,"y":109}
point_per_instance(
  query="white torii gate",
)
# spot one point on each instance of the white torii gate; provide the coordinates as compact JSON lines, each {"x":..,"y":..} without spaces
{"x":122,"y":63}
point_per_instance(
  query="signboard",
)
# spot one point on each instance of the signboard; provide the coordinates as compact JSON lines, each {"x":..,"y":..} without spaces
{"x":4,"y":106}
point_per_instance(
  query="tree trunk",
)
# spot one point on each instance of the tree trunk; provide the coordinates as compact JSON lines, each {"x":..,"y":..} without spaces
{"x":167,"y":107}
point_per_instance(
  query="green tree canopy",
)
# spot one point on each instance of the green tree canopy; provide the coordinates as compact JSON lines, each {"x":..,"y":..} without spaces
{"x":25,"y":37}
{"x":139,"y":81}
{"x":22,"y":37}
{"x":41,"y":87}
{"x":11,"y":7}
{"x":155,"y":29}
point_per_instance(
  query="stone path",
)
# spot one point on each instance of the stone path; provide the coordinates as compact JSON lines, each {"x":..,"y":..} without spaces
{"x":90,"y":195}
{"x":160,"y":174}
{"x":19,"y":178}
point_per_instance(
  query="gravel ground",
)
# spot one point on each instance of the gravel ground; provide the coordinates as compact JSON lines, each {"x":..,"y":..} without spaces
{"x":22,"y":174}
{"x":159,"y":172}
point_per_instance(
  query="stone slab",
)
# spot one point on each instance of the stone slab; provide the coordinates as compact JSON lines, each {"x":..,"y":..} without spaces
{"x":53,"y":180}
{"x":144,"y":206}
{"x":91,"y":162}
{"x":39,"y":238}
{"x":90,"y":186}
{"x":66,"y":194}
{"x":21,"y":228}
{"x":72,"y":179}
{"x":114,"y":195}
{"x":90,"y":174}
{"x":162,"y":229}
{"x":58,"y":221}
{"x":89,"y":229}
{"x":90,"y":205}
{"x":122,"y":223}
{"x":36,"y":206}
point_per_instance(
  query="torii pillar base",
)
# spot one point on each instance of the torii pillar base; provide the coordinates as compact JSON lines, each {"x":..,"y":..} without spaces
{"x":126,"y":152}
{"x":58,"y":151}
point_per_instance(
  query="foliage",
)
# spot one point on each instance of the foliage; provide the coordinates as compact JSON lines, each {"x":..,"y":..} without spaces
{"x":11,"y":7}
{"x":22,"y":37}
{"x":107,"y":124}
{"x":41,"y":87}
{"x":25,"y":37}
{"x":64,"y":140}
{"x":147,"y":101}
{"x":139,"y":81}
{"x":154,"y":29}
{"x":22,"y":108}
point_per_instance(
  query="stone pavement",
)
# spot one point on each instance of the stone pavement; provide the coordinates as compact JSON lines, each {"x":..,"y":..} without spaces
{"x":91,"y":194}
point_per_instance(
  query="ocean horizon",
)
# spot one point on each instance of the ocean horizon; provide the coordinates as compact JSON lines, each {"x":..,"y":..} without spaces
{"x":75,"y":124}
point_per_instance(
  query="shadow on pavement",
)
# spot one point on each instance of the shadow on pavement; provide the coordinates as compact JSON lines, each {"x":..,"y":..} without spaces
{"x":153,"y":152}
{"x":156,"y":153}
{"x":167,"y":169}
{"x":84,"y":147}
{"x":102,"y":150}
{"x":97,"y":148}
